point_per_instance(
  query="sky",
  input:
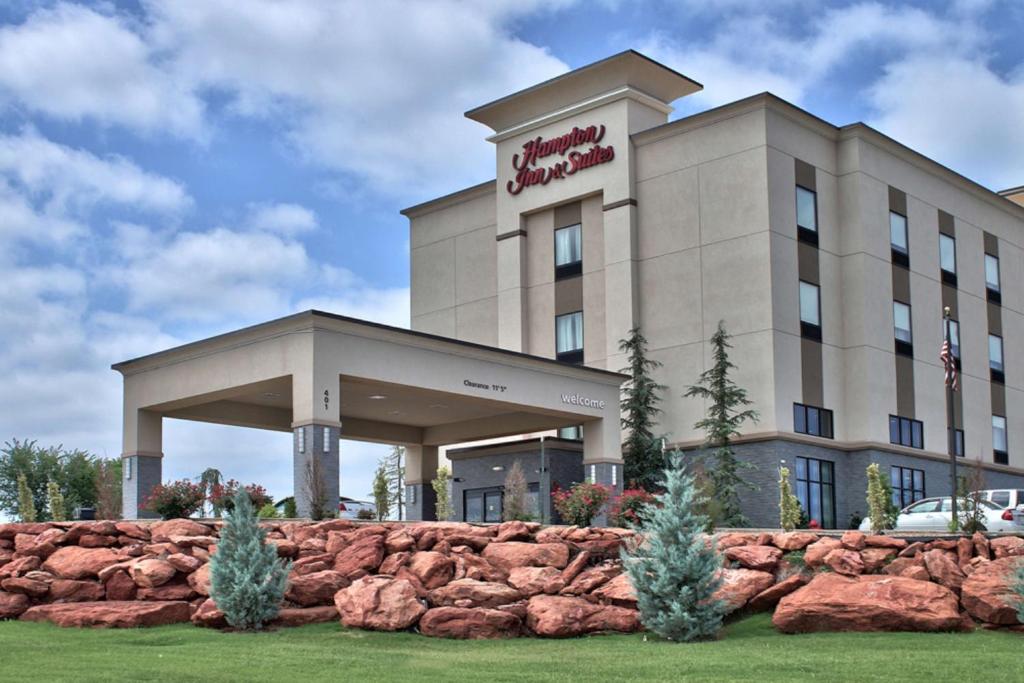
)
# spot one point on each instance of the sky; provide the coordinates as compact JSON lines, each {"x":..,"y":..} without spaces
{"x":174,"y":169}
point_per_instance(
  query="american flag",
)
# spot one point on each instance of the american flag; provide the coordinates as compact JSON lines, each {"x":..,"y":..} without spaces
{"x":949,"y":362}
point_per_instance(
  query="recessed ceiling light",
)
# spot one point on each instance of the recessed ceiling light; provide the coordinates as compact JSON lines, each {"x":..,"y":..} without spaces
{"x":438,"y":406}
{"x":377,"y":397}
{"x":498,"y":468}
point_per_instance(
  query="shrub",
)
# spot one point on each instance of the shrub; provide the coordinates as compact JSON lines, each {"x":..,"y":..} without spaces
{"x":878,"y":513}
{"x":26,"y":504}
{"x":675,"y":572}
{"x":222,"y":496}
{"x":381,"y":494}
{"x":365,"y":514}
{"x":55,"y":501}
{"x":579,"y":504}
{"x":268,"y":511}
{"x":789,"y":506}
{"x":289,"y":508}
{"x":514,"y":502}
{"x":627,"y":509}
{"x":175,"y":499}
{"x":443,"y":506}
{"x":247,"y":580}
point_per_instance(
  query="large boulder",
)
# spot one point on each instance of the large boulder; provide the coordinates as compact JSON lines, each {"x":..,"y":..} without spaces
{"x":41,"y":545}
{"x":361,"y":557}
{"x":832,"y":602}
{"x":152,"y":573}
{"x":161,"y":532}
{"x":740,"y":585}
{"x":515,"y":554}
{"x":530,"y":581}
{"x":472,"y":593}
{"x":943,"y":569}
{"x":513,"y":531}
{"x":110,"y":614}
{"x":794,"y":540}
{"x":69,"y":590}
{"x":760,"y":557}
{"x":20,"y":566}
{"x":433,"y":569}
{"x":12,"y":605}
{"x":981,"y":545}
{"x":301,"y":616}
{"x":119,"y":586}
{"x":200,"y":580}
{"x":72,"y":562}
{"x":770,"y":596}
{"x":1006,"y":546}
{"x":853,"y":540}
{"x":556,"y":616}
{"x":875,"y":558}
{"x":314,"y":589}
{"x":619,"y":591}
{"x":880,"y":541}
{"x":26,"y":586}
{"x":590,"y":579}
{"x":469,"y":623}
{"x":208,"y":615}
{"x":379,"y":603}
{"x":843,"y":561}
{"x":815,"y":553}
{"x":988,"y":594}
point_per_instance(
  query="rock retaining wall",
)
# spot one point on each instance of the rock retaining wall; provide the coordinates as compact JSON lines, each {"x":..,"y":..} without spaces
{"x":463,"y":581}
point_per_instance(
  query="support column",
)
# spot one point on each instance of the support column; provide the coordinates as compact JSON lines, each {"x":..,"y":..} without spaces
{"x":315,"y":468}
{"x":420,"y":470}
{"x":602,"y":458}
{"x":142,"y":461}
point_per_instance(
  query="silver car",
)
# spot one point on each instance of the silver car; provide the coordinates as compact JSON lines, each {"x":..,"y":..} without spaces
{"x":935,"y":514}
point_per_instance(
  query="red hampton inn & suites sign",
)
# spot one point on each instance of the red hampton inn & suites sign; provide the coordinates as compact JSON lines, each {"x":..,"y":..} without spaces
{"x":568,"y":162}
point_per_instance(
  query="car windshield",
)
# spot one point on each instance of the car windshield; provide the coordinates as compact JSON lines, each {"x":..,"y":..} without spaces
{"x":923,"y":506}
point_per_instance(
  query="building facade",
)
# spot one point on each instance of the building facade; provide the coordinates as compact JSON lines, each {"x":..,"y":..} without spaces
{"x":829,"y":252}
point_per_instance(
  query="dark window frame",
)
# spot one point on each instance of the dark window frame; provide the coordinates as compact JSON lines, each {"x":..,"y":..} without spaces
{"x":825,"y":419}
{"x":909,"y":432}
{"x":949,"y":277}
{"x":904,"y":348}
{"x":810,"y":330}
{"x":1001,"y":457}
{"x":994,"y":296}
{"x":804,"y":485}
{"x":995,"y":375}
{"x":803,"y":233}
{"x":573,"y":268}
{"x":574,"y":356}
{"x":902,"y":496}
{"x":900,"y":257}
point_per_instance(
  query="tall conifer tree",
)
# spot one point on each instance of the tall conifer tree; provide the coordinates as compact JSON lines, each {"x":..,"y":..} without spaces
{"x":726,"y":413}
{"x":641,"y":452}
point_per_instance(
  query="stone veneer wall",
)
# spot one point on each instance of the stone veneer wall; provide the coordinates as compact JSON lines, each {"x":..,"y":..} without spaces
{"x":464,"y":581}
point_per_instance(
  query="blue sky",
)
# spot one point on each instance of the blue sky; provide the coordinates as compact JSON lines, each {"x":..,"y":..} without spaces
{"x":174,"y":169}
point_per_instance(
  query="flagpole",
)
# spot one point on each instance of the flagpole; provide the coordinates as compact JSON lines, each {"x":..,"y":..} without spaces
{"x":950,"y":430}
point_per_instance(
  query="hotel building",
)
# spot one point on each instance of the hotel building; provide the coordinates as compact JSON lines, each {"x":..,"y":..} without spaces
{"x":829,"y":252}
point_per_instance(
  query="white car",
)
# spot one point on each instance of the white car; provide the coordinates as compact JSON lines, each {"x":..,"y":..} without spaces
{"x":935,"y":514}
{"x":1005,"y":498}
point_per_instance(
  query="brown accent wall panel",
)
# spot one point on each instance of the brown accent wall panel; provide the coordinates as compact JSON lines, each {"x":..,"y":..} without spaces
{"x":901,"y":284}
{"x":947,"y":226}
{"x":995,"y":319}
{"x":805,"y":175}
{"x":949,"y":298}
{"x":811,"y":376}
{"x":567,"y":214}
{"x":998,"y":399}
{"x":958,"y":410}
{"x":897,"y":201}
{"x":995,"y":326}
{"x":569,"y":295}
{"x":904,"y":386}
{"x":807,"y":263}
{"x":991,"y":244}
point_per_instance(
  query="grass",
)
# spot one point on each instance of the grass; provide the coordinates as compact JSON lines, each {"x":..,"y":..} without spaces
{"x":750,"y":650}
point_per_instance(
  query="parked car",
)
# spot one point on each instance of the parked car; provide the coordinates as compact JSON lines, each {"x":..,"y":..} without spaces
{"x":1005,"y":498}
{"x":935,"y":514}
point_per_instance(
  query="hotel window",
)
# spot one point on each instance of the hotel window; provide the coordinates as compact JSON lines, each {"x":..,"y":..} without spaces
{"x":947,"y":259}
{"x":898,"y":239}
{"x":902,"y":331}
{"x":568,"y":251}
{"x":999,"y":446}
{"x":569,"y":337}
{"x":992,"y":288}
{"x":812,"y":420}
{"x":907,"y":485}
{"x":815,"y":489}
{"x":571,"y":433}
{"x":954,"y":337}
{"x":810,"y":311}
{"x":806,"y":215}
{"x":903,"y":431}
{"x":996,"y":370}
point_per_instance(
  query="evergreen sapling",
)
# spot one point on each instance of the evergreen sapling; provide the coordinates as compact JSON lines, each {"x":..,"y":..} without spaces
{"x":878,"y":512}
{"x":26,"y":504}
{"x":675,"y":573}
{"x":55,"y":499}
{"x":789,"y":506}
{"x":442,"y":494}
{"x":381,"y":495}
{"x":247,"y":580}
{"x":643,"y":460}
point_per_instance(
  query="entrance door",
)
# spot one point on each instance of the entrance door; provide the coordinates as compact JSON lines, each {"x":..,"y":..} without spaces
{"x":482,"y":505}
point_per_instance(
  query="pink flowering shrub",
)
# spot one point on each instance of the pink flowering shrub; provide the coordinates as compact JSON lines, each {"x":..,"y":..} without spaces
{"x":579,"y":504}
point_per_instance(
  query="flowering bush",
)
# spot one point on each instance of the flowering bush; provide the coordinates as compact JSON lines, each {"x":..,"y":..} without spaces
{"x":627,"y":509}
{"x":579,"y":504}
{"x":176,"y":499}
{"x":222,"y":496}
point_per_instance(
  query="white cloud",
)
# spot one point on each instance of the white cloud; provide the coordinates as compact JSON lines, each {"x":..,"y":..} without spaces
{"x":287,"y":219}
{"x":73,"y":63}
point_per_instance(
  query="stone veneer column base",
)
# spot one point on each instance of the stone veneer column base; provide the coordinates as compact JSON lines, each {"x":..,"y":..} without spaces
{"x":140,"y":475}
{"x":316,"y":446}
{"x":420,"y":503}
{"x":609,"y":474}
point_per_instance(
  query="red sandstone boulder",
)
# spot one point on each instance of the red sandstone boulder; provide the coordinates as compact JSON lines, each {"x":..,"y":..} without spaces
{"x":209,"y":616}
{"x":770,"y":596}
{"x":20,"y":565}
{"x":12,"y":605}
{"x":186,"y":564}
{"x":556,"y":616}
{"x":573,"y":569}
{"x":530,"y":581}
{"x":619,"y":591}
{"x":1006,"y":546}
{"x":469,"y":623}
{"x":97,"y":541}
{"x":875,"y":558}
{"x":513,"y":531}
{"x":853,"y":540}
{"x":912,"y":550}
{"x":69,"y":590}
{"x":734,"y":539}
{"x":392,"y":563}
{"x":964,"y":551}
{"x":200,"y":580}
{"x":470,"y":566}
{"x":901,"y":564}
{"x":472,"y":593}
{"x":832,"y":602}
{"x":760,"y":557}
{"x":846,"y":562}
{"x":988,"y":595}
{"x":815,"y":553}
{"x":793,"y":540}
{"x":301,"y":616}
{"x":589,"y":579}
{"x":399,"y":541}
{"x":119,"y":586}
{"x":981,"y":545}
{"x":879,"y":541}
{"x":161,"y":532}
{"x":133,"y":530}
{"x":740,"y":585}
{"x":168,"y":591}
{"x":379,"y":603}
{"x":432,"y":568}
{"x":152,"y":573}
{"x":943,"y":569}
{"x":25,"y":586}
{"x":110,"y":614}
{"x":72,"y":562}
{"x":362,"y":556}
{"x":41,"y":545}
{"x":285,"y":548}
{"x":318,"y":588}
{"x":515,"y":554}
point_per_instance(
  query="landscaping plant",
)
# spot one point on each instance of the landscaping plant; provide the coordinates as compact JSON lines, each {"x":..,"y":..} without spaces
{"x":381,"y":496}
{"x":579,"y":505}
{"x":514,"y":504}
{"x":247,"y":580}
{"x":878,"y":500}
{"x":789,"y":506}
{"x":73,"y":471}
{"x":643,"y":460}
{"x":209,"y":479}
{"x":55,"y":502}
{"x":969,"y":509}
{"x":394,"y":470}
{"x":289,"y":508}
{"x":222,"y":495}
{"x":675,"y":572}
{"x":108,"y":488}
{"x":726,"y":413}
{"x":175,"y":499}
{"x":627,"y":509}
{"x":442,"y":493}
{"x":268,"y":511}
{"x":26,"y":505}
{"x":313,"y":483}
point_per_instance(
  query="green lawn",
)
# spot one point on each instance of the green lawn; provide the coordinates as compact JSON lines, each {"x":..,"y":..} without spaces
{"x":750,"y":650}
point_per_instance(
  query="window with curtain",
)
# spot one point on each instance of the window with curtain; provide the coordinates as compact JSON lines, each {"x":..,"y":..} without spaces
{"x":568,"y":251}
{"x":806,"y":209}
{"x":901,"y":327}
{"x":954,"y":337}
{"x":999,"y":445}
{"x":569,"y":336}
{"x":995,"y":352}
{"x":992,"y":272}
{"x":898,"y":239}
{"x":947,"y":256}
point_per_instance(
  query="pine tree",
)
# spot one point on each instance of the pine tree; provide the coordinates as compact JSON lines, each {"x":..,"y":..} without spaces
{"x":725,"y":415}
{"x":395,"y":473}
{"x":789,"y":506}
{"x":247,"y":580}
{"x":381,"y":497}
{"x":514,"y":501}
{"x":55,"y":501}
{"x":26,"y":504}
{"x":210,"y":478}
{"x":644,"y":463}
{"x":675,"y":572}
{"x":443,"y":506}
{"x":878,"y":512}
